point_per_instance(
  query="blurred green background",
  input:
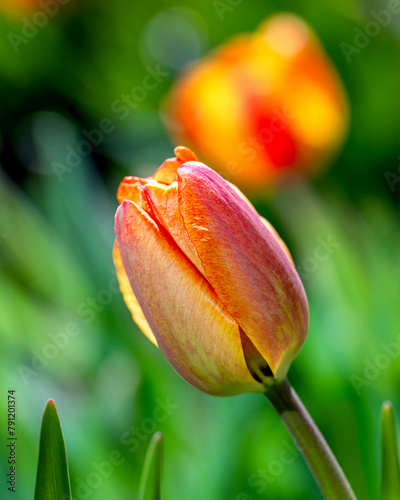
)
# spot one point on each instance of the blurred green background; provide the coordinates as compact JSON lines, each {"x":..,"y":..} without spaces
{"x":65,"y":332}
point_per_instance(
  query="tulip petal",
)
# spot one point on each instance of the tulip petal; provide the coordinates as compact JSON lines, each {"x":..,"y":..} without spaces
{"x":191,"y":325}
{"x":131,"y":188}
{"x":268,"y":225}
{"x":129,"y":297}
{"x":278,"y":239}
{"x":245,"y":265}
{"x":165,"y":206}
{"x":167,"y":172}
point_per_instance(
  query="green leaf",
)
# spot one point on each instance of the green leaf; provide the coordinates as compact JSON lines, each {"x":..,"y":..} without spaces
{"x":52,"y":477}
{"x":390,"y":455}
{"x":150,"y":481}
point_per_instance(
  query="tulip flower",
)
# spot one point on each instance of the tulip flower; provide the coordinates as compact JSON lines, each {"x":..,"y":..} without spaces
{"x":211,"y":283}
{"x":272,"y":102}
{"x":207,"y":279}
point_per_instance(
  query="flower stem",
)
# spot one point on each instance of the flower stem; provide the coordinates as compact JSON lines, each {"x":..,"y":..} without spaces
{"x":315,"y":450}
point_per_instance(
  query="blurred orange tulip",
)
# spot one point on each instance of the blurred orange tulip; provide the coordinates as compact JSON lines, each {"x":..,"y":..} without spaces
{"x":262,"y":105}
{"x":207,"y":279}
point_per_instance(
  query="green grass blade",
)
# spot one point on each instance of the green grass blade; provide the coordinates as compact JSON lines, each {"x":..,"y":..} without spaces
{"x":150,"y":481}
{"x":390,"y":455}
{"x":52,"y":478}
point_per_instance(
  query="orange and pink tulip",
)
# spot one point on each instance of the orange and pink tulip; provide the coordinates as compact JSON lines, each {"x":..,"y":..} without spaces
{"x":262,"y":106}
{"x":207,"y":279}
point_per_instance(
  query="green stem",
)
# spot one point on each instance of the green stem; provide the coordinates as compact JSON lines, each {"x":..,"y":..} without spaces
{"x":316,"y":452}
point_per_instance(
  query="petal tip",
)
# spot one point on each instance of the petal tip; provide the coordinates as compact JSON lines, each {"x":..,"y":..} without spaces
{"x":184,"y":154}
{"x":167,"y":172}
{"x":119,"y":217}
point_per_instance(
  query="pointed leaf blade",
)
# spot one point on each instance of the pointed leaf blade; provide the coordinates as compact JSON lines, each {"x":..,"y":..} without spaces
{"x":52,"y":477}
{"x":150,"y":481}
{"x":390,"y":455}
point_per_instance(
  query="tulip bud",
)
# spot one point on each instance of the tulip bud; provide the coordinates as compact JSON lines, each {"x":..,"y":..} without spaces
{"x":207,"y":279}
{"x":272,"y":101}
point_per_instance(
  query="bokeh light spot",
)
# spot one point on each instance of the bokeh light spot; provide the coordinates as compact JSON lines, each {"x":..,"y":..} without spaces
{"x":174,"y":37}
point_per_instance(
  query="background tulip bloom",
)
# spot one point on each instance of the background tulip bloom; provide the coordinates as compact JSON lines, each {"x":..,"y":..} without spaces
{"x":207,"y":279}
{"x":271,"y":101}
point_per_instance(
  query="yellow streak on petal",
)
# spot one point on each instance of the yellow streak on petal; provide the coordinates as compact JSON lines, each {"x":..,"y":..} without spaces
{"x":130,"y":299}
